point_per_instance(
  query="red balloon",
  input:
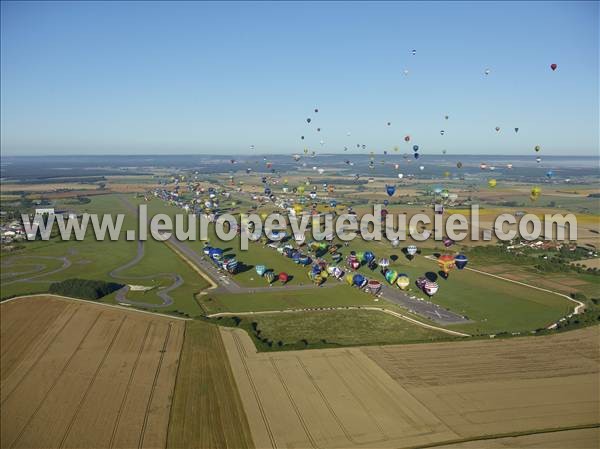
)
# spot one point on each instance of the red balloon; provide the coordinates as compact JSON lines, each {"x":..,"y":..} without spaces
{"x":283,"y":277}
{"x":553,"y":66}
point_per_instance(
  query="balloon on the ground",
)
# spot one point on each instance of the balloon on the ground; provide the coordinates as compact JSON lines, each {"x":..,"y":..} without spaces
{"x":402,"y":281}
{"x":461,"y":261}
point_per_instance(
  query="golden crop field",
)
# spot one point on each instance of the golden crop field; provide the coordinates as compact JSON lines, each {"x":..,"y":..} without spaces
{"x":421,"y":395}
{"x":76,"y":374}
{"x":326,"y":399}
{"x":207,"y":411}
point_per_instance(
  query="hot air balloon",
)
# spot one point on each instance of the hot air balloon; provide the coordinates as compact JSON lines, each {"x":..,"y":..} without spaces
{"x":538,"y":159}
{"x":368,"y":257}
{"x":535,"y":193}
{"x":430,"y":288}
{"x":230,"y":265}
{"x":549,"y":174}
{"x":407,"y":138}
{"x":416,"y":155}
{"x":459,"y":165}
{"x":487,"y":71}
{"x":390,"y":276}
{"x":269,"y":276}
{"x":260,"y":269}
{"x":216,"y":254}
{"x":337,"y":272}
{"x":395,"y":243}
{"x":283,"y":277}
{"x":446,"y":263}
{"x":390,"y":189}
{"x":353,"y":262}
{"x":461,"y":261}
{"x":374,"y":286}
{"x":537,"y":148}
{"x":308,"y":120}
{"x":497,"y":129}
{"x":421,"y":167}
{"x":384,"y":263}
{"x":413,"y":52}
{"x":400,"y":175}
{"x":316,"y":110}
{"x":304,"y":260}
{"x":402,"y":281}
{"x":348,"y":279}
{"x":420,"y":282}
{"x":553,"y":67}
{"x":516,"y":130}
{"x":415,"y":148}
{"x":411,"y":250}
{"x":359,"y":280}
{"x":442,"y":132}
{"x":492,"y":183}
{"x":448,"y":242}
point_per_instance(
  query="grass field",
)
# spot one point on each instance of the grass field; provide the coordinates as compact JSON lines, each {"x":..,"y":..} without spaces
{"x":339,"y":328}
{"x":339,"y":296}
{"x":92,"y":259}
{"x":77,"y":374}
{"x":207,"y":411}
{"x":492,"y":305}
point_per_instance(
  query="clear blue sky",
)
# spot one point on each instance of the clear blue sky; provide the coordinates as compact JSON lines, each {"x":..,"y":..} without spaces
{"x":117,"y":77}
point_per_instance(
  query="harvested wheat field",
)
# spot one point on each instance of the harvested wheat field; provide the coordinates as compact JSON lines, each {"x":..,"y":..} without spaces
{"x":421,"y":395}
{"x":502,"y":386}
{"x":326,"y":399}
{"x":81,"y":375}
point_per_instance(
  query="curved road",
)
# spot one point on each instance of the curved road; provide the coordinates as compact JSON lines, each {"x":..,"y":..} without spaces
{"x":66,"y":264}
{"x":162,"y":293}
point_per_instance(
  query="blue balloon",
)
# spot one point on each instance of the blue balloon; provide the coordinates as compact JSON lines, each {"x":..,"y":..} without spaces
{"x":461,"y":261}
{"x":368,"y":256}
{"x":386,"y":202}
{"x":416,"y":155}
{"x":390,"y":189}
{"x":415,"y":148}
{"x":358,"y":280}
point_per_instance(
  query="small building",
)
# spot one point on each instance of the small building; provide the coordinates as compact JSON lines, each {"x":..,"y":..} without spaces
{"x":44,"y":211}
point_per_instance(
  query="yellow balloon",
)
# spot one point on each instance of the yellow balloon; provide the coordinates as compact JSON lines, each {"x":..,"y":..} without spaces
{"x":492,"y":183}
